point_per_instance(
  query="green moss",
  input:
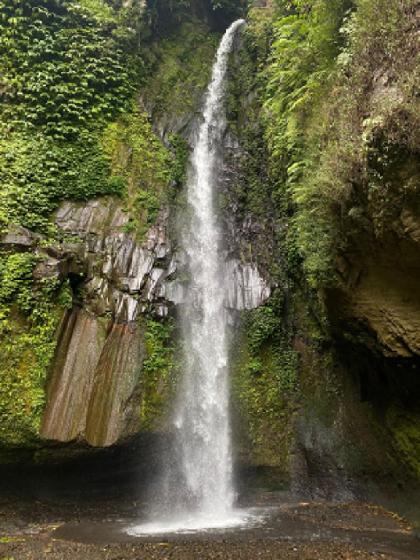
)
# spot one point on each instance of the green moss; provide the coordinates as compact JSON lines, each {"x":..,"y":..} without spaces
{"x":181,"y":153}
{"x":141,"y":163}
{"x":264,"y":384}
{"x":29,"y":314}
{"x":181,"y":66}
{"x":324,"y":111}
{"x":158,"y":370}
{"x":405,"y":429}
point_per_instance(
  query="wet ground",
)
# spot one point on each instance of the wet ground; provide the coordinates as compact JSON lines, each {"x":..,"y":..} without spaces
{"x":289,"y":530}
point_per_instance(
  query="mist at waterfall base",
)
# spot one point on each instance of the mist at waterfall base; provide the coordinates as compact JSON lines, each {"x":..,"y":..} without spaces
{"x":196,"y":491}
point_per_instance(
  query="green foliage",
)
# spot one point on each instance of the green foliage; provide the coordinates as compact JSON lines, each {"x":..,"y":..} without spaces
{"x":16,"y":275}
{"x":157,"y":369}
{"x":267,"y":337}
{"x":62,"y":65}
{"x":325,"y":117}
{"x":180,"y":67}
{"x":166,"y":14}
{"x":300,"y":73}
{"x":181,"y":153}
{"x":36,"y":172}
{"x":230,"y":8}
{"x":135,"y":151}
{"x":141,"y":163}
{"x":67,"y":69}
{"x":99,"y":10}
{"x":29,"y":314}
{"x":262,"y":325}
{"x":265,"y":381}
{"x":383,"y":111}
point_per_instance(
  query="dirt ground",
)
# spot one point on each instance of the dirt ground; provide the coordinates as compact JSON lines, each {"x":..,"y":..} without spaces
{"x":43,"y":547}
{"x":300,"y":531}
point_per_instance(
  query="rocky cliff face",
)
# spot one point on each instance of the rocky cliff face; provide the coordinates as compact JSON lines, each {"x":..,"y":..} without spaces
{"x":375,"y":307}
{"x":340,"y":405}
{"x":94,"y":388}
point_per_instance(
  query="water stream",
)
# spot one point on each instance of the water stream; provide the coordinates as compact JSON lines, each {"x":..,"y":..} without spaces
{"x":202,"y":446}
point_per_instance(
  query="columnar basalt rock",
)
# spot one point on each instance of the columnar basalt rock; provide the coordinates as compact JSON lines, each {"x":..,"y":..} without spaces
{"x":113,"y":407}
{"x":121,"y":274}
{"x":79,"y":348}
{"x":93,"y":393}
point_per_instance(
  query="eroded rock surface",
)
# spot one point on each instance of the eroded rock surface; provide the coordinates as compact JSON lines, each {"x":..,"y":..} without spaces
{"x":95,"y":376}
{"x":123,"y":276}
{"x":79,"y":347}
{"x":381,"y":293}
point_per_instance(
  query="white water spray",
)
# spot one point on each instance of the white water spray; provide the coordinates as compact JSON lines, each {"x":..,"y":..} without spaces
{"x":202,"y":417}
{"x":202,"y":443}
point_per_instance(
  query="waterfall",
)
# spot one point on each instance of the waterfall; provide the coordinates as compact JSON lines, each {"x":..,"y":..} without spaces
{"x":202,"y":494}
{"x":202,"y":416}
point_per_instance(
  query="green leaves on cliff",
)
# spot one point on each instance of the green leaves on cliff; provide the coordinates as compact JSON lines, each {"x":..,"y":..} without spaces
{"x":67,"y":69}
{"x":36,"y":172}
{"x":340,"y":92}
{"x":141,"y":163}
{"x":379,"y":91}
{"x":63,"y":65}
{"x":16,"y":274}
{"x":265,"y":380}
{"x":300,"y":73}
{"x":136,"y":152}
{"x":269,"y":345}
{"x":180,"y":65}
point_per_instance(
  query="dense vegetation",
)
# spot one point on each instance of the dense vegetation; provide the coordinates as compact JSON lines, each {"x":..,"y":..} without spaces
{"x":324,"y":97}
{"x":341,"y":111}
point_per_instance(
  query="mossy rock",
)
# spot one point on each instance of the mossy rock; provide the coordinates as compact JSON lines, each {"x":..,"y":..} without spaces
{"x":404,"y":425}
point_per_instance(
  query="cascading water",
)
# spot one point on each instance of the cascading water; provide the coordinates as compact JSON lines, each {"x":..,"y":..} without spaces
{"x":202,"y":444}
{"x":202,"y":415}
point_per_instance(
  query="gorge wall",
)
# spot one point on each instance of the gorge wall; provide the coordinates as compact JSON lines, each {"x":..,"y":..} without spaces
{"x":319,"y":201}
